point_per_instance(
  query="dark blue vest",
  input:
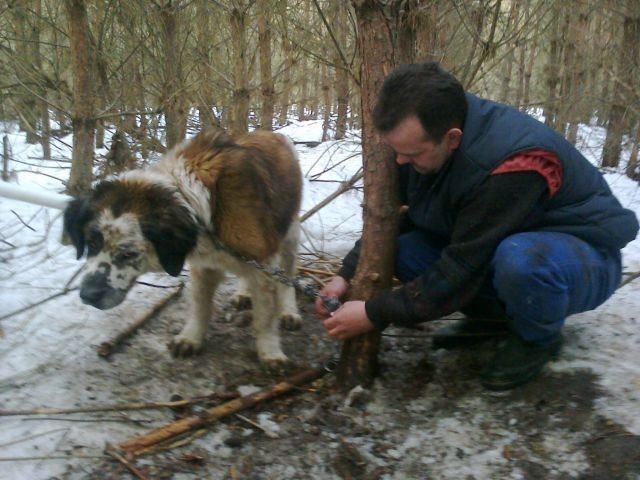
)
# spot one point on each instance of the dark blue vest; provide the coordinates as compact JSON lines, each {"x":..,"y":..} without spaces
{"x":584,"y":205}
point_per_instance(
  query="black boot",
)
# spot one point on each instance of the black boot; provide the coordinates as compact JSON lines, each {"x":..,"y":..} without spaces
{"x":516,"y":362}
{"x":468,"y":331}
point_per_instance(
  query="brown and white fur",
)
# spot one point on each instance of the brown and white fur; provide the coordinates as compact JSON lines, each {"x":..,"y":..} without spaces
{"x":246,"y":192}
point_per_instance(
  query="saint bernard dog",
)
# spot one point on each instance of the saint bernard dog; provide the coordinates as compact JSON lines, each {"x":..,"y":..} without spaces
{"x":210,"y":201}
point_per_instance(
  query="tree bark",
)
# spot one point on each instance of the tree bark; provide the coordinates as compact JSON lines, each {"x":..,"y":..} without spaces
{"x":358,"y":362}
{"x":173,"y":96}
{"x":83,"y":120}
{"x":341,"y":73}
{"x":627,"y":68}
{"x":266,"y":75}
{"x":553,"y":68}
{"x":240,"y":109}
{"x":326,"y":100}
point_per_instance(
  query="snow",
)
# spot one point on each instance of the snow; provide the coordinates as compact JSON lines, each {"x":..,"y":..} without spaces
{"x":43,"y":350}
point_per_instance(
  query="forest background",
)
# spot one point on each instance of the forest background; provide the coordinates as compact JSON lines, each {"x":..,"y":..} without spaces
{"x":153,"y":69}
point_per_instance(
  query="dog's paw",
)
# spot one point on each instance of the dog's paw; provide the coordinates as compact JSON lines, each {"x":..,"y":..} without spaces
{"x":182,"y":346}
{"x":241,"y":302}
{"x":291,"y":321}
{"x":278,"y":366}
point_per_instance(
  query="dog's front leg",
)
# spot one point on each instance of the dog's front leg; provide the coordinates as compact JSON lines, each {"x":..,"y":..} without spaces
{"x":266,"y":322}
{"x":204,"y":282}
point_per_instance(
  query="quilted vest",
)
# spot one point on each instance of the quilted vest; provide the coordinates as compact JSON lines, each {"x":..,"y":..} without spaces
{"x":584,"y":206}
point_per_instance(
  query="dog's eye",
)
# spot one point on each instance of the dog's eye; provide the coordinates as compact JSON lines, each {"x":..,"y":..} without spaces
{"x":125,"y":256}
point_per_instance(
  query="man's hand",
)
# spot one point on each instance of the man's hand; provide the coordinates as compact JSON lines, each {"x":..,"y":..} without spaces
{"x":348,"y":321}
{"x":335,"y":288}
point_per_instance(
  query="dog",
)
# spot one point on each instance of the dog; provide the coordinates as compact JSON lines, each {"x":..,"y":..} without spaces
{"x":213,"y":201}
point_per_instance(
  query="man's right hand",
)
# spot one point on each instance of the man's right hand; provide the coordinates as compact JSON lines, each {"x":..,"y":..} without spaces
{"x":334,"y":288}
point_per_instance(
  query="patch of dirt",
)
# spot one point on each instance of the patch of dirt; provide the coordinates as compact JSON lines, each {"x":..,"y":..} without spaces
{"x":426,"y":417}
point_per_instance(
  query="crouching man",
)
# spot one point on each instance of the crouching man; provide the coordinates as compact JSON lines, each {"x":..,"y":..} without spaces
{"x":506,"y":220}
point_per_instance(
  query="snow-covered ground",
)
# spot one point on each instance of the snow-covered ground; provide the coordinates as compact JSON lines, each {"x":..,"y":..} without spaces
{"x":44,"y":351}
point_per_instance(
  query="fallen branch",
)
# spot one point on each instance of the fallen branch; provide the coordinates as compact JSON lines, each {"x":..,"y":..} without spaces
{"x":140,"y":445}
{"x":108,"y":347}
{"x":110,"y":450}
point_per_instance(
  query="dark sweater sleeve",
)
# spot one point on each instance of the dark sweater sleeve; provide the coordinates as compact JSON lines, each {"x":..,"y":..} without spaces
{"x":503,"y":204}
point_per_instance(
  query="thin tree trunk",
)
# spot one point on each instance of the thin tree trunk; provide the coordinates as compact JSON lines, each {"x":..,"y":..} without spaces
{"x":266,"y":76}
{"x":240,"y":110}
{"x":285,"y":44}
{"x":176,"y":120}
{"x":326,"y":100}
{"x":83,"y":121}
{"x":553,"y":68}
{"x":342,"y":75}
{"x":627,"y":68}
{"x":632,"y":170}
{"x":358,"y":361}
{"x":45,"y":128}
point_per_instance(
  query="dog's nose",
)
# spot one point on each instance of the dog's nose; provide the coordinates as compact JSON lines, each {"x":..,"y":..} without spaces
{"x":90,"y":294}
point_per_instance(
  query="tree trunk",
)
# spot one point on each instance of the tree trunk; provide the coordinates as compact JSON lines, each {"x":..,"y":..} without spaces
{"x":240,"y":109}
{"x":266,"y":76}
{"x":83,"y":121}
{"x":632,"y":170}
{"x":326,"y":100}
{"x":358,"y":362}
{"x":285,"y":42}
{"x":341,"y":73}
{"x":627,"y":69}
{"x":174,"y":108}
{"x":553,"y":68}
{"x":45,"y":128}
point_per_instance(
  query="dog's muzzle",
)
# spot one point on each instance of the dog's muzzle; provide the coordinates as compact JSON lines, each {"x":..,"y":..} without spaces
{"x":97,"y":292}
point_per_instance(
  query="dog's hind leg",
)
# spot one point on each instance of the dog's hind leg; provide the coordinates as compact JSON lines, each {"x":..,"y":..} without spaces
{"x":241,"y":300}
{"x":287,"y":306}
{"x":265,"y":321}
{"x":204,"y":282}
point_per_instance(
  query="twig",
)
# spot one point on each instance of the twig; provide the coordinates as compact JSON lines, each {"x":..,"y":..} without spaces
{"x":35,"y":435}
{"x":315,"y":270}
{"x":107,"y":348}
{"x":630,"y":279}
{"x":110,"y":450}
{"x":48,"y":457}
{"x":67,"y":288}
{"x":23,"y":222}
{"x":118,"y":407}
{"x":33,"y":305}
{"x":89,"y":420}
{"x":143,"y":444}
{"x":344,"y":187}
{"x":268,"y":433}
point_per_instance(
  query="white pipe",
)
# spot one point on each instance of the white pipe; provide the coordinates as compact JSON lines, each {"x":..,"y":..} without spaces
{"x":34,"y":195}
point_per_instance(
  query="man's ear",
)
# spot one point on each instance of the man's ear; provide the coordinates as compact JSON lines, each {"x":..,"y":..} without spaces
{"x":454,"y":138}
{"x":76,"y":216}
{"x":172,"y":242}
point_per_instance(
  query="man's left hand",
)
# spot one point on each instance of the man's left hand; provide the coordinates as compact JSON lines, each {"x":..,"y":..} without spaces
{"x":348,"y":321}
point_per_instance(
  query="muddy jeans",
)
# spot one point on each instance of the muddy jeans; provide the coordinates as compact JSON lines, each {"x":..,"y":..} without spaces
{"x":537,"y":279}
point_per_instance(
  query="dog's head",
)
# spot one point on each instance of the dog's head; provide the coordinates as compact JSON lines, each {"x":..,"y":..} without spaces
{"x":127,"y":227}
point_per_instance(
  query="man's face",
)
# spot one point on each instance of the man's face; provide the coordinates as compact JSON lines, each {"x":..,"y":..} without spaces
{"x":409,"y":140}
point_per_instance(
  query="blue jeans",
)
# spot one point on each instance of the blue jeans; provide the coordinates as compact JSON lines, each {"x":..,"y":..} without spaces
{"x":536,"y":279}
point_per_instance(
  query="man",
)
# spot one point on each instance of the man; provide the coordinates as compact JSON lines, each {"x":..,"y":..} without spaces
{"x":506,"y":220}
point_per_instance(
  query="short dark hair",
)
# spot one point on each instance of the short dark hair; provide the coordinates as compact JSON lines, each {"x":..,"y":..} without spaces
{"x":423,"y":89}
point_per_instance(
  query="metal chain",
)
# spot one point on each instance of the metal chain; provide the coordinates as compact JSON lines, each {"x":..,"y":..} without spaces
{"x":330,"y":303}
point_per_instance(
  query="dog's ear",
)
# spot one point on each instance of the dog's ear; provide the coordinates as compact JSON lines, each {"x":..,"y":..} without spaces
{"x":173,"y":241}
{"x":76,"y":216}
